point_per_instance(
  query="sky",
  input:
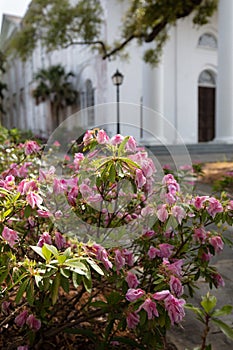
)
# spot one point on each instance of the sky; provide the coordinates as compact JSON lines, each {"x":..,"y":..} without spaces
{"x":13,"y":7}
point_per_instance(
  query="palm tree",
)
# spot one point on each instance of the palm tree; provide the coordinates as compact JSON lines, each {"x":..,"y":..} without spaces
{"x":54,"y":86}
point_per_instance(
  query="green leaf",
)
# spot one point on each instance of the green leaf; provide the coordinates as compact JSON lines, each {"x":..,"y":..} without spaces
{"x":225,"y":310}
{"x":38,"y":250}
{"x":52,"y":249}
{"x":76,"y":266}
{"x":61,"y":259}
{"x":65,"y":284}
{"x":27,"y":211}
{"x":95,"y":267}
{"x":55,"y":288}
{"x":30,"y":292}
{"x":208,"y":302}
{"x":3,"y":273}
{"x":65,"y":273}
{"x":67,"y":252}
{"x":7,"y":212}
{"x":77,"y":279}
{"x":87,"y":284}
{"x":227,"y":330}
{"x":122,"y":146}
{"x":46,"y":252}
{"x":21,"y":290}
{"x":196,"y":310}
{"x":112,"y":173}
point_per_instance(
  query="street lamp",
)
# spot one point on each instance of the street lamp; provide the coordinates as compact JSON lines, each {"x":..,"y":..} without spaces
{"x":117,"y":80}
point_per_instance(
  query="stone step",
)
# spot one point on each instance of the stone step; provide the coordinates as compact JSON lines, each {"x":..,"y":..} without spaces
{"x":200,"y":148}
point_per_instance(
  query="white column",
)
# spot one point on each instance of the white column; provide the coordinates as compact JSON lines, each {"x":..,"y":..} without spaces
{"x":153,"y":102}
{"x":224,"y":125}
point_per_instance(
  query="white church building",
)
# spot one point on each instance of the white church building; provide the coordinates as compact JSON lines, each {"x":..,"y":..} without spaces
{"x":190,"y":91}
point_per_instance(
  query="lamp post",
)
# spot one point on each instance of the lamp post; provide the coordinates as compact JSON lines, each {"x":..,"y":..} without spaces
{"x":117,"y":80}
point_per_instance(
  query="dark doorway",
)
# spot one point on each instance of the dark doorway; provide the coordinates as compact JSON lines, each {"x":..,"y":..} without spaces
{"x":206,"y":114}
{"x":206,"y":106}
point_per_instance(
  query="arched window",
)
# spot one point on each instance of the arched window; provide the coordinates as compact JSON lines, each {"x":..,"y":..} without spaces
{"x":208,"y":40}
{"x":207,"y":78}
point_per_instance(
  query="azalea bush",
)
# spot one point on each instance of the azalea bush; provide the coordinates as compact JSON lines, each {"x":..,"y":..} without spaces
{"x":98,"y":247}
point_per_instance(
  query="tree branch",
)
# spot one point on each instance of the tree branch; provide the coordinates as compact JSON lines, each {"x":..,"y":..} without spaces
{"x":119,"y":47}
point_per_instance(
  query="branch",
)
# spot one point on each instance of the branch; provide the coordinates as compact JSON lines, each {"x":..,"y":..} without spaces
{"x":97,"y":42}
{"x":120,"y":47}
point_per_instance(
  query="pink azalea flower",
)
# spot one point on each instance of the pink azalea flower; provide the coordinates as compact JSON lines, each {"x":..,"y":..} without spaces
{"x":179,"y":213}
{"x":186,"y":167}
{"x":148,"y":167}
{"x":5,"y":306}
{"x":165,"y":250}
{"x":43,"y":213}
{"x":117,"y":139}
{"x":20,"y":320}
{"x":59,"y":240}
{"x":33,"y":323}
{"x":132,"y":320}
{"x":23,"y":170}
{"x":102,"y":138}
{"x":56,"y":144}
{"x":169,"y":178}
{"x":87,"y":137}
{"x":31,"y":147}
{"x":140,"y":178}
{"x":230,"y":205}
{"x":206,"y":256}
{"x":161,"y":295}
{"x":176,"y":286}
{"x":198,"y":201}
{"x":131,"y":144}
{"x":175,"y":309}
{"x":132,"y":280}
{"x":119,"y":259}
{"x":102,"y":255}
{"x":23,"y":347}
{"x":162,"y":213}
{"x":129,"y":257}
{"x":10,"y":236}
{"x":44,"y":238}
{"x":147,"y":211}
{"x":134,"y":294}
{"x":153,"y":252}
{"x":214,"y":207}
{"x":217,"y":243}
{"x":9,"y":182}
{"x":26,"y":186}
{"x":78,"y":158}
{"x":85,"y":190}
{"x":175,"y":268}
{"x":59,"y":186}
{"x":149,"y":233}
{"x":34,"y":199}
{"x":200,"y":234}
{"x":72,"y":195}
{"x":150,"y":307}
{"x":170,"y":198}
{"x":218,"y":280}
